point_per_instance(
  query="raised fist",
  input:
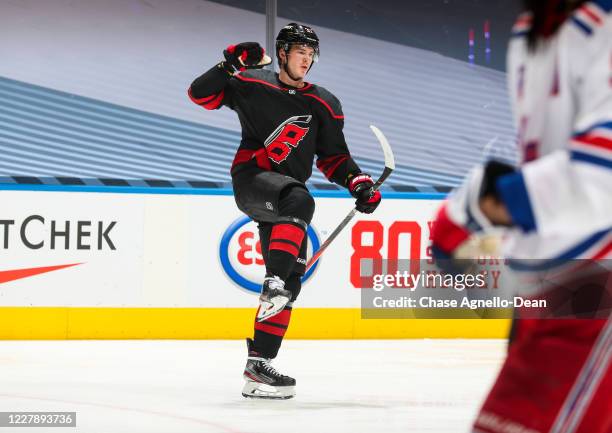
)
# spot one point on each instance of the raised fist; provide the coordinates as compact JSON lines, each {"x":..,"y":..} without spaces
{"x":245,"y":55}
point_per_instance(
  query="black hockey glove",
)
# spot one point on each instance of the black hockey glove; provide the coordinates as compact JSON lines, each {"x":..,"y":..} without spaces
{"x":246,"y":55}
{"x":493,"y":171}
{"x":361,"y":187}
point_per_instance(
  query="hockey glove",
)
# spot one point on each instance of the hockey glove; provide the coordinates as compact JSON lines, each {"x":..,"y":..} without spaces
{"x":460,"y":218}
{"x":361,"y":187}
{"x":246,"y":55}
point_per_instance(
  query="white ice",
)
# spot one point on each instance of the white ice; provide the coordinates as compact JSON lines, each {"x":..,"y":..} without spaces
{"x":359,"y":386}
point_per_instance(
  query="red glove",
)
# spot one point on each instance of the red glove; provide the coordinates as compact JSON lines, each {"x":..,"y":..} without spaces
{"x":361,"y":187}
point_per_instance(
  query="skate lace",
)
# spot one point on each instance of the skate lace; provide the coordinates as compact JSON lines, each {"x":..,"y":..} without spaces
{"x":269,"y":369}
{"x":275,"y":283}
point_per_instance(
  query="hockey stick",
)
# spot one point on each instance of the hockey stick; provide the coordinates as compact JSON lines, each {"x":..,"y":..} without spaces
{"x":389,"y":167}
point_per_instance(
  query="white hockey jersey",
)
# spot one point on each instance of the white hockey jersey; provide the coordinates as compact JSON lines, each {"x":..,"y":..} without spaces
{"x":561,"y":96}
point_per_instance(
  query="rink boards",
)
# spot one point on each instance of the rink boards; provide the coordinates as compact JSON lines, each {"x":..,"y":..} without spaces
{"x":126,"y":263}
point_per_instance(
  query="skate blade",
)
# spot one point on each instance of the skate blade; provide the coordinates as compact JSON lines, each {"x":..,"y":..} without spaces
{"x":269,"y":309}
{"x":263,"y":391}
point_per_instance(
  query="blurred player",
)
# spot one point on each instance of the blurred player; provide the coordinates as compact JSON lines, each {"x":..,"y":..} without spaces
{"x":286,"y":122}
{"x":557,"y":207}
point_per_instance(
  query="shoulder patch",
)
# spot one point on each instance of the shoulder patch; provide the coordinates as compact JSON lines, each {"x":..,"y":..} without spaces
{"x":327,"y":99}
{"x":591,"y":15}
{"x":522,"y":25}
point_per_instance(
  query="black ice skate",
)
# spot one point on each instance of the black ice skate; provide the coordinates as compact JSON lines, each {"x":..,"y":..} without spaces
{"x":273,"y":298}
{"x":262,"y":380}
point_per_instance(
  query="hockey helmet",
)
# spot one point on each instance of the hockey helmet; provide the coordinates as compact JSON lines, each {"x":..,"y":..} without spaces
{"x":297,"y":34}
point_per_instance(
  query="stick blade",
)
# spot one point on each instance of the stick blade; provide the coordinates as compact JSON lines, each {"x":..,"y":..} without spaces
{"x":384,"y":143}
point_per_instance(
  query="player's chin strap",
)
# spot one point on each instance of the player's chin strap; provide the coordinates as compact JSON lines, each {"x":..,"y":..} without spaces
{"x":289,"y":73}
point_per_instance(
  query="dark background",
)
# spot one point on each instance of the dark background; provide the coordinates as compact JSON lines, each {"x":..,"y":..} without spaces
{"x":441,"y":26}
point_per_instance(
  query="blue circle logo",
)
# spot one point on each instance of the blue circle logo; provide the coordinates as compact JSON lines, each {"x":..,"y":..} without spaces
{"x":241,"y":256}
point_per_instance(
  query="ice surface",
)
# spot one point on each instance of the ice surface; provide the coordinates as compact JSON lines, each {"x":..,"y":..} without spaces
{"x":167,"y":386}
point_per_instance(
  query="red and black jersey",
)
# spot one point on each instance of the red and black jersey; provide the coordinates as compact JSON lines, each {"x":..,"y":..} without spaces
{"x":283,"y":127}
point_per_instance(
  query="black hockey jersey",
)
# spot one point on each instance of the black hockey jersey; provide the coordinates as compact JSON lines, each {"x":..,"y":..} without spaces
{"x":283,"y":127}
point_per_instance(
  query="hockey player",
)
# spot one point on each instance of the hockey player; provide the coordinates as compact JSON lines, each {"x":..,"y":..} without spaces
{"x":286,"y":122}
{"x":557,"y":207}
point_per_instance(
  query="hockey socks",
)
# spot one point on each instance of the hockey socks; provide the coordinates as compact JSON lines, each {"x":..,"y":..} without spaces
{"x":285,"y":243}
{"x":270,"y":332}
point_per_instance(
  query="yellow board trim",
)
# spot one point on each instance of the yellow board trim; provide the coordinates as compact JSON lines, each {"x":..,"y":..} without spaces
{"x":60,"y":323}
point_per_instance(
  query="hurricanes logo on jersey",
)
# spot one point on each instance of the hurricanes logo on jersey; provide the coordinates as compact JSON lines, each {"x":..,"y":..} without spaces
{"x":286,"y":137}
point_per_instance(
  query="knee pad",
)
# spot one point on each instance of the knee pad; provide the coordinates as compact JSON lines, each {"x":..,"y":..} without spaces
{"x":295,"y":201}
{"x":294,"y":285}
